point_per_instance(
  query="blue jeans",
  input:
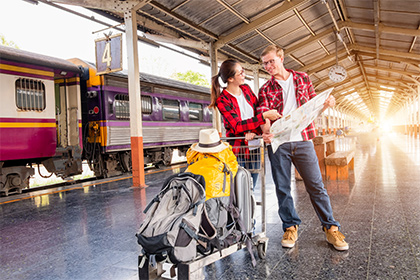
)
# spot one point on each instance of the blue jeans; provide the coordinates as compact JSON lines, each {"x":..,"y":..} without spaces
{"x":303,"y":156}
{"x":253,"y":162}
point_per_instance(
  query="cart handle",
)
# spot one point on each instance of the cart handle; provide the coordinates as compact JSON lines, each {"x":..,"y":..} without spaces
{"x":241,"y":137}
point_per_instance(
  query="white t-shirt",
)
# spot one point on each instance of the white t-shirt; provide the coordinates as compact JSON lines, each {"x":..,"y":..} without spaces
{"x":289,"y":101}
{"x":247,"y":112}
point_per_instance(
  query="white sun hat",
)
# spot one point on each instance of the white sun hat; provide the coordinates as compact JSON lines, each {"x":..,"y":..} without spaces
{"x":209,"y":142}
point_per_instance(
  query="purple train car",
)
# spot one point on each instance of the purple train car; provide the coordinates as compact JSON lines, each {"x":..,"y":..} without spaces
{"x":59,"y":112}
{"x":173,"y":112}
{"x":40,"y":120}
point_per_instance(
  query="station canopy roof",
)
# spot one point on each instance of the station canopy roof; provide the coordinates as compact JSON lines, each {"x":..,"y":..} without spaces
{"x":376,"y":43}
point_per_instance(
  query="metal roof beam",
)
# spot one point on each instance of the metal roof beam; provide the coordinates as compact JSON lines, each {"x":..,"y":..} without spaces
{"x":322,"y":66}
{"x":306,"y":42}
{"x":284,"y":8}
{"x":393,"y":59}
{"x":403,"y":73}
{"x":200,"y":45}
{"x":144,"y":21}
{"x":381,"y":28}
{"x":399,"y":82}
{"x":183,"y":20}
{"x":357,"y":47}
{"x":234,"y":11}
{"x":116,"y":6}
{"x":413,"y":42}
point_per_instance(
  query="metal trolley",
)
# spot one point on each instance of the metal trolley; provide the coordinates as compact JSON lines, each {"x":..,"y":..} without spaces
{"x":252,"y":157}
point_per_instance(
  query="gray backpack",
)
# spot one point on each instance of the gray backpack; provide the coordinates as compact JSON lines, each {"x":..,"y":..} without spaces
{"x":171,"y":228}
{"x":233,"y":216}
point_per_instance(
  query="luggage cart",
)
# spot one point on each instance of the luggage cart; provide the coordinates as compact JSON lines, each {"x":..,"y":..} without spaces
{"x":253,"y":157}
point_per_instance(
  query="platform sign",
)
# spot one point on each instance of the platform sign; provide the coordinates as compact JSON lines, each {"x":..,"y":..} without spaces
{"x":108,"y":52}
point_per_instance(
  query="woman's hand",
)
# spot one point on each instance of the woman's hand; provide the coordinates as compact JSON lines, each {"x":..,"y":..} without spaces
{"x":272,"y":115}
{"x":249,"y":136}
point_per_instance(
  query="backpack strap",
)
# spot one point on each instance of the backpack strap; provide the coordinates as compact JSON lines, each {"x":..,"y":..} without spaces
{"x":226,"y":170}
{"x":155,"y":199}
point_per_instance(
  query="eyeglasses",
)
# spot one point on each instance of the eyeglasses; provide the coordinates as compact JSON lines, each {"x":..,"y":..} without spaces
{"x":241,"y":73}
{"x":270,"y":62}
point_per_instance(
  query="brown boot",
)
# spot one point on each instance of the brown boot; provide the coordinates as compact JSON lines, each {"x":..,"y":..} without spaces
{"x":336,"y":238}
{"x":290,"y":236}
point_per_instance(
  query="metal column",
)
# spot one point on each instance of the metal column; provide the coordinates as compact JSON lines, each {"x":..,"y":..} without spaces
{"x":136,"y":130}
{"x":217,"y":121}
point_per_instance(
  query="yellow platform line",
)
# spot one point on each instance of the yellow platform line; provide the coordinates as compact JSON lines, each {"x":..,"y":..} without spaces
{"x":65,"y":190}
{"x":84,"y":186}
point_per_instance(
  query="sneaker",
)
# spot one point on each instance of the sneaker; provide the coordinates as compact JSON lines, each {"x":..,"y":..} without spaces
{"x":289,"y":237}
{"x":336,"y":238}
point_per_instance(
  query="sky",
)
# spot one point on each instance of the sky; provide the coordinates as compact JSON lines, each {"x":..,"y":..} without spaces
{"x":50,"y":31}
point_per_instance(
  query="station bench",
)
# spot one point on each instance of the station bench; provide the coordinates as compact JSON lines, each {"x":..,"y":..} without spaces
{"x":324,"y":146}
{"x":341,"y":161}
{"x":335,"y":156}
{"x":338,"y":165}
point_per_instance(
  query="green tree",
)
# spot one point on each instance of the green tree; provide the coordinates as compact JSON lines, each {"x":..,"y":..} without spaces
{"x":4,"y":42}
{"x":191,"y":77}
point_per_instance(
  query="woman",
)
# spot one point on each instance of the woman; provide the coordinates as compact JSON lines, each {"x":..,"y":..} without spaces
{"x":238,"y":106}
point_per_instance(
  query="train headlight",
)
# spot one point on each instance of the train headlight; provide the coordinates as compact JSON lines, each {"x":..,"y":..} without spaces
{"x":92,"y":94}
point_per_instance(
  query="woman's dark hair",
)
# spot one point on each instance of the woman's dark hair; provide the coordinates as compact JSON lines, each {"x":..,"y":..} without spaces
{"x":227,"y":70}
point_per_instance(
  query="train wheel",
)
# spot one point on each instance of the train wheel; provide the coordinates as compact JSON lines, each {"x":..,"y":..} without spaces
{"x":99,"y":167}
{"x":125,"y":159}
{"x":167,"y":156}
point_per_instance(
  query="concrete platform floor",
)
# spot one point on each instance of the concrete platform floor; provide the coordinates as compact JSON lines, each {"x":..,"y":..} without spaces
{"x":87,"y":232}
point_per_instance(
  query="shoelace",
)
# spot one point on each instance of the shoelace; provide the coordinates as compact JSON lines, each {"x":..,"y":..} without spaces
{"x":288,"y":234}
{"x":338,"y":235}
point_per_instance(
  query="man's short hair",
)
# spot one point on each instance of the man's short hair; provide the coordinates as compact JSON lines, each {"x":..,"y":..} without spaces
{"x":273,"y":48}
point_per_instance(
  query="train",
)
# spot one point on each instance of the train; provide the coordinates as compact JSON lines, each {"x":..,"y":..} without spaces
{"x":59,"y":113}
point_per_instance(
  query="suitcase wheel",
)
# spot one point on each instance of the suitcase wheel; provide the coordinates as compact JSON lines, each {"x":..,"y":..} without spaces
{"x":261,"y":250}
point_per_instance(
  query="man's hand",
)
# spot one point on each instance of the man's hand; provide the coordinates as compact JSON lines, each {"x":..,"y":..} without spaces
{"x":267,"y":137}
{"x":266,"y":127}
{"x":329,"y":102}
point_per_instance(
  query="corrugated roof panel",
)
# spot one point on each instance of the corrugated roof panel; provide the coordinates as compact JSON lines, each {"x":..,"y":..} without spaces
{"x":210,"y":20}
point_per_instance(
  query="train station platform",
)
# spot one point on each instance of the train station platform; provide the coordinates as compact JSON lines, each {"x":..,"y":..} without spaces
{"x":88,"y":231}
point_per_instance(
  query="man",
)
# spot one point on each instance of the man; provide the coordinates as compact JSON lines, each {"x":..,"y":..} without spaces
{"x":286,"y":91}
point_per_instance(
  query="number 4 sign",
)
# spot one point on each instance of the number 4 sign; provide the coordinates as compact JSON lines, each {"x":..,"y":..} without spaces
{"x":108,"y":54}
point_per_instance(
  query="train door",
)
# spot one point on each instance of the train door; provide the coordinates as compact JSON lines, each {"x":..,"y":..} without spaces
{"x":68,"y":116}
{"x":68,"y":158}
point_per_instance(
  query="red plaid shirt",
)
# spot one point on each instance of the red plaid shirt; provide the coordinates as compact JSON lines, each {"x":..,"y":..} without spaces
{"x":234,"y":125}
{"x":271,"y":97}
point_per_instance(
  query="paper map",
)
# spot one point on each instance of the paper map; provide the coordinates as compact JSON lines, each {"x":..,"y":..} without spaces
{"x":291,"y":125}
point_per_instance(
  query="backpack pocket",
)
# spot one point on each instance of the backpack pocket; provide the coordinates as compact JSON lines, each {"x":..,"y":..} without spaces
{"x":185,"y":247}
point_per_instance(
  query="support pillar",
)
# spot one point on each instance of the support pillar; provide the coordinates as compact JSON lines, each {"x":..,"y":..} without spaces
{"x":418,"y":111}
{"x":256,"y":74}
{"x":217,"y":121}
{"x":329,"y":120}
{"x":136,"y":129}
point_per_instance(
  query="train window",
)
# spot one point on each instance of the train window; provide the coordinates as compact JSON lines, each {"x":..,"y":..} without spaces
{"x":210,"y":114}
{"x":146,"y":105}
{"x":146,"y":88}
{"x":170,"y":109}
{"x":122,"y":106}
{"x":195,"y":112}
{"x":30,"y":94}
